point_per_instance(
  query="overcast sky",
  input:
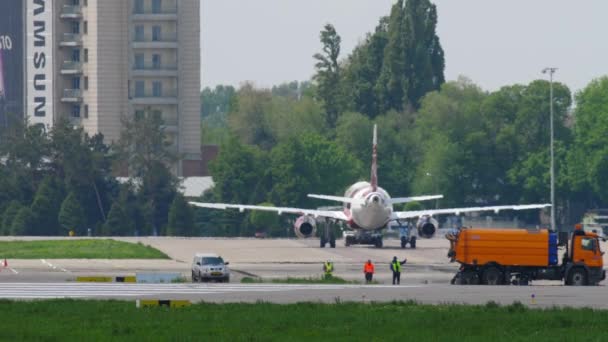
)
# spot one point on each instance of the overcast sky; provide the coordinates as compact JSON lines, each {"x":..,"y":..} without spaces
{"x":493,"y":42}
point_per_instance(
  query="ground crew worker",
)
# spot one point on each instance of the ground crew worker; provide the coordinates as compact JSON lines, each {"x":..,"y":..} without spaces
{"x":396,"y":268}
{"x":368,"y":269}
{"x":328,"y":268}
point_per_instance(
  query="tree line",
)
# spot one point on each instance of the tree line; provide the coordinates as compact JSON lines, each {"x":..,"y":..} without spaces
{"x":476,"y":147}
{"x":61,"y":180}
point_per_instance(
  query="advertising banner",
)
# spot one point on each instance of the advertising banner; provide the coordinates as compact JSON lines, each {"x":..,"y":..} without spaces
{"x":39,"y":28}
{"x":11,"y":58}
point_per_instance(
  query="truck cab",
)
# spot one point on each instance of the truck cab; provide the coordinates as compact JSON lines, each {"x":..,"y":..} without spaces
{"x":583,"y":261}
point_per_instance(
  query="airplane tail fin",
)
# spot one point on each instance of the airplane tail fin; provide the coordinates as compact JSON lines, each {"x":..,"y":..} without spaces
{"x":374,"y":173}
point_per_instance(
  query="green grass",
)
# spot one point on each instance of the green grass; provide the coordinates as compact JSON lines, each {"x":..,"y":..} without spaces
{"x":290,"y":280}
{"x":78,"y":249}
{"x":68,"y":320}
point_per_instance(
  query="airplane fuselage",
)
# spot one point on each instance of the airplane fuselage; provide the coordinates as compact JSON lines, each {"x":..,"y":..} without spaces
{"x":371,"y":210}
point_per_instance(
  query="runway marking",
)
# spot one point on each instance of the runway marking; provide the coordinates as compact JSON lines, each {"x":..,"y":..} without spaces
{"x":121,"y":290}
{"x":53,"y":266}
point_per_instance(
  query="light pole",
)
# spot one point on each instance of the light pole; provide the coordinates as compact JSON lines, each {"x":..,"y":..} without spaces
{"x":551,"y":71}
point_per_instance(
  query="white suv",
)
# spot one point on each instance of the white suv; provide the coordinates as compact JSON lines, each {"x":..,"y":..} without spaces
{"x":208,"y":266}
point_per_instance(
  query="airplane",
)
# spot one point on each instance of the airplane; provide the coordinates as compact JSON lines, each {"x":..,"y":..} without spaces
{"x":367,"y":209}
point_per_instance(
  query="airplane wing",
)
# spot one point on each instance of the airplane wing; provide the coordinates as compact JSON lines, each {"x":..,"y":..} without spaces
{"x":279,"y":210}
{"x":397,"y":200}
{"x":458,"y":211}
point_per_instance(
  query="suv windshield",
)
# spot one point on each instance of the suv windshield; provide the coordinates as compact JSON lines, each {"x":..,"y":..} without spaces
{"x":212,"y":261}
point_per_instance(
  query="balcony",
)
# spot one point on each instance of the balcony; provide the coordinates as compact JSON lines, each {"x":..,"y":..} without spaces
{"x":71,"y":68}
{"x":149,"y":70}
{"x":167,"y":97}
{"x":145,"y":14}
{"x":72,"y":96}
{"x":162,"y":41}
{"x":71,"y":12}
{"x":71,"y":40}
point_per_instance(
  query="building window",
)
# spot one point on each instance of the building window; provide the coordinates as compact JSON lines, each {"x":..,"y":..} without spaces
{"x":157,"y":114}
{"x":86,"y":55}
{"x":157,"y":89}
{"x":139,"y":114}
{"x":86,"y":111}
{"x":76,"y":111}
{"x":156,"y":61}
{"x":156,"y":33}
{"x":75,"y":82}
{"x":156,"y":6}
{"x":85,"y":27}
{"x":139,"y":33}
{"x":139,"y":88}
{"x":139,"y":61}
{"x":86,"y":83}
{"x":76,"y":27}
{"x":76,"y":55}
{"x":139,"y":6}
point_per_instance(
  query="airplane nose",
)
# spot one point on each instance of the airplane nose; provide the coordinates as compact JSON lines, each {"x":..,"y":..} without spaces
{"x":375,"y":199}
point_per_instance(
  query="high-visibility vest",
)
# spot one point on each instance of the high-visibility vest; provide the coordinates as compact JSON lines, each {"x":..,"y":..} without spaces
{"x":396,"y":266}
{"x":368,"y":268}
{"x":329,"y":267}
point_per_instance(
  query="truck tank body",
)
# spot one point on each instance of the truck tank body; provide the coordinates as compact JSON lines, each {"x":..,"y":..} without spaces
{"x":513,"y":247}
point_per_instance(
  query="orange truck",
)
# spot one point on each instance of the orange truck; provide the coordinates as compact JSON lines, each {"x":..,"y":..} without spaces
{"x":518,"y":256}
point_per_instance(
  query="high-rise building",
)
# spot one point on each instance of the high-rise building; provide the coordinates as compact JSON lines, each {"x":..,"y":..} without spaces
{"x":97,"y":60}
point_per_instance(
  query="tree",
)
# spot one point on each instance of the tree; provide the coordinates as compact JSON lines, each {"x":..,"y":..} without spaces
{"x":143,"y":144}
{"x":248,"y":118}
{"x":149,"y":152}
{"x":238,"y":173}
{"x":181,"y":218}
{"x":215,"y":106}
{"x":22,"y":222}
{"x":587,"y":161}
{"x":8,"y":216}
{"x":309,"y":163}
{"x":47,"y":204}
{"x":265,"y":221}
{"x":71,"y":215}
{"x":118,"y":222}
{"x":328,"y":74}
{"x":216,"y":103}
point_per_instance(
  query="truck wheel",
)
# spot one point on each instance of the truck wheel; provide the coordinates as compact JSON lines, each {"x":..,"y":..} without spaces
{"x":413,"y":242}
{"x":492,"y":276}
{"x":403,"y":242}
{"x":577,"y":277}
{"x":194,"y":280}
{"x":469,"y":278}
{"x":322,"y":242}
{"x":378,"y":243}
{"x":332,"y":243}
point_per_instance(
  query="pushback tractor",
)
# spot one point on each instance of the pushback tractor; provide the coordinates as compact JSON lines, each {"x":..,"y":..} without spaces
{"x":519,"y":256}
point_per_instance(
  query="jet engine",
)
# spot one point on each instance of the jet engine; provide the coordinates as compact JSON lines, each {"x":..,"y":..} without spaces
{"x":305,"y":226}
{"x":427,"y":226}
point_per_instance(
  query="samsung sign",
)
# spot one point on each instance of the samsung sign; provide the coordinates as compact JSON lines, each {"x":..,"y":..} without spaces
{"x":39,"y":25}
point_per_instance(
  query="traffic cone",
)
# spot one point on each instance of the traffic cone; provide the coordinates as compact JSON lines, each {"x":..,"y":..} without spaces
{"x":5,"y":264}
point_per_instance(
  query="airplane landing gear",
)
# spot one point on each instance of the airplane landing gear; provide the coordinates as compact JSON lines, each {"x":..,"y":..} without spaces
{"x":327,"y":236}
{"x":365,"y":238}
